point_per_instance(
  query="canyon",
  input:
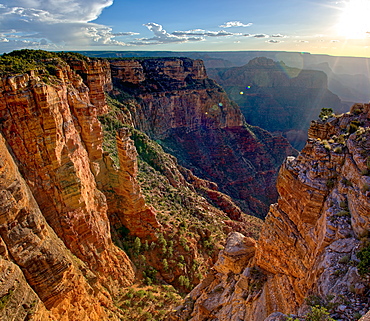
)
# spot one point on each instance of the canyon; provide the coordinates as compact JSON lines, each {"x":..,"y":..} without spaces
{"x":308,"y":250}
{"x":277,"y":97}
{"x":120,"y":177}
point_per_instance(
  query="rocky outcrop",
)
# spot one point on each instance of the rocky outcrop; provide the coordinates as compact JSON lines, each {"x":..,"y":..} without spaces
{"x":58,"y":246}
{"x":307,"y":251}
{"x":127,"y":206}
{"x":97,"y":77}
{"x":33,"y":256}
{"x":174,"y":93}
{"x":54,"y":134}
{"x":176,"y":103}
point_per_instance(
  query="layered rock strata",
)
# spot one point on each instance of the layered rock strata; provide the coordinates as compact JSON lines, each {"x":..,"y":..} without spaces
{"x":34,"y":256}
{"x":54,"y":134}
{"x":52,"y":130}
{"x":174,"y":93}
{"x":193,"y":118}
{"x":308,"y":246}
{"x":127,"y":204}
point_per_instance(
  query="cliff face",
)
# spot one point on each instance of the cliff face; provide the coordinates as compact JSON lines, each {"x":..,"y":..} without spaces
{"x":276,"y":97}
{"x":54,"y":134}
{"x":174,"y":93}
{"x":34,"y":256}
{"x":308,"y":249}
{"x":64,"y":198}
{"x":192,"y":117}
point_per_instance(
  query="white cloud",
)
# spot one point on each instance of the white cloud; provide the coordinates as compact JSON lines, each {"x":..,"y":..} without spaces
{"x":201,"y":32}
{"x":51,"y":24}
{"x":231,"y":24}
{"x":117,"y":34}
{"x":278,"y":35}
{"x":161,"y":36}
{"x":69,"y":10}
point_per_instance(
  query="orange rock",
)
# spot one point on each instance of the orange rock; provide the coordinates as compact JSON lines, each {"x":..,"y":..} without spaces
{"x":55,"y":135}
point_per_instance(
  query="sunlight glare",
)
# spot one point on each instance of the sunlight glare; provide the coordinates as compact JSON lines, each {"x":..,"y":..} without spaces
{"x":354,"y":22}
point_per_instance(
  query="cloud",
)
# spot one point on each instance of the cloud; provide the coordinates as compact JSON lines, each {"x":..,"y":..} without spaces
{"x":231,"y":24}
{"x":262,"y":35}
{"x":118,"y":34}
{"x":204,"y":33}
{"x":161,"y":36}
{"x":50,"y":24}
{"x":69,"y":10}
{"x":273,"y":41}
{"x":334,"y":40}
{"x":278,"y":35}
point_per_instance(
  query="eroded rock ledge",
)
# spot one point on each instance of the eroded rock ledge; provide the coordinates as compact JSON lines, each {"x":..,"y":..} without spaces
{"x":308,"y":246}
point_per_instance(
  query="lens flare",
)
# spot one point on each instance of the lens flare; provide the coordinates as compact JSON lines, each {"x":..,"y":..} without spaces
{"x":354,"y":22}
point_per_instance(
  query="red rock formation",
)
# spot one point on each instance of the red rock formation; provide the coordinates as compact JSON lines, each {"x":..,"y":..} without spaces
{"x":174,"y":94}
{"x":97,"y":77}
{"x":197,"y":123}
{"x":55,"y":136}
{"x":243,"y":161}
{"x":310,"y":237}
{"x":47,"y":266}
{"x":127,"y":206}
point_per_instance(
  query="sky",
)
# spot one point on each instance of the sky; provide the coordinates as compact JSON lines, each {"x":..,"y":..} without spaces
{"x":334,"y":27}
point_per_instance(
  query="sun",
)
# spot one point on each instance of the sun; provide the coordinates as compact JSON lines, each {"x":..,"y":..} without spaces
{"x":354,"y":21}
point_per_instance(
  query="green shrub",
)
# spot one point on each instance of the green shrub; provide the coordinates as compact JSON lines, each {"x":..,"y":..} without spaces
{"x":326,"y":113}
{"x":338,"y":150}
{"x":347,"y":182}
{"x":364,"y":265}
{"x":184,"y":281}
{"x":318,"y":314}
{"x":353,"y":126}
{"x":137,"y":246}
{"x":365,"y":188}
{"x":5,"y":299}
{"x":330,"y":183}
{"x":344,"y":260}
{"x":344,"y":205}
{"x":344,"y":213}
{"x":165,"y":265}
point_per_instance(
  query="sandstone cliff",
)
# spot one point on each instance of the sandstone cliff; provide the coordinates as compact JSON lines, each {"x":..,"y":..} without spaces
{"x":312,"y":247}
{"x":53,"y":133}
{"x":175,"y":103}
{"x":76,"y":176}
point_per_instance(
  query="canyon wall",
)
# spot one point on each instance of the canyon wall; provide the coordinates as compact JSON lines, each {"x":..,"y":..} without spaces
{"x":194,"y":120}
{"x":278,"y":98}
{"x":307,"y":253}
{"x":52,"y":131}
{"x":65,"y":199}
